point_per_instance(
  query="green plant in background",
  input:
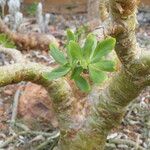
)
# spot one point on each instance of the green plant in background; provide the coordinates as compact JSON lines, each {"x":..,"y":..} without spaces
{"x":6,"y":42}
{"x":82,"y":62}
{"x":79,"y":34}
{"x":31,"y":9}
{"x":82,"y":32}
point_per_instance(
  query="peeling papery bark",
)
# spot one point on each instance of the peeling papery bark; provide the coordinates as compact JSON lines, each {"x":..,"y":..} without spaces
{"x":89,"y":131}
{"x":30,"y":40}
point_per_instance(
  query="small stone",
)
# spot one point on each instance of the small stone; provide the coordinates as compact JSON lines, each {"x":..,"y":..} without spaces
{"x":8,"y":92}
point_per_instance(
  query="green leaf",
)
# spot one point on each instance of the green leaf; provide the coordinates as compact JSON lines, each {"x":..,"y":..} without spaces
{"x":96,"y":75}
{"x":82,"y":84}
{"x":76,"y":72}
{"x":84,"y":64}
{"x":3,"y":38}
{"x":6,"y":42}
{"x":70,"y":35}
{"x":105,"y":65}
{"x":32,"y":9}
{"x":89,"y":46}
{"x":57,"y":54}
{"x":103,"y":48}
{"x":57,"y":73}
{"x":69,"y":55}
{"x":75,"y":50}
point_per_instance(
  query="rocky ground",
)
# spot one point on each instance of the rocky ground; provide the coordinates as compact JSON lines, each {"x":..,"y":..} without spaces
{"x":133,"y":134}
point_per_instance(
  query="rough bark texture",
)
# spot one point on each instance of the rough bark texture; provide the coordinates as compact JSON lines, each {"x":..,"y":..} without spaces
{"x":109,"y":109}
{"x":28,"y":41}
{"x":89,"y":131}
{"x":103,"y":9}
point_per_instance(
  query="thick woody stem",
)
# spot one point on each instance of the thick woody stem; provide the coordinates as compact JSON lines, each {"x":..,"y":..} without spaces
{"x":106,"y":111}
{"x":106,"y":114}
{"x":59,"y":90}
{"x":28,"y":41}
{"x":109,"y":109}
{"x":123,"y":14}
{"x":65,"y":104}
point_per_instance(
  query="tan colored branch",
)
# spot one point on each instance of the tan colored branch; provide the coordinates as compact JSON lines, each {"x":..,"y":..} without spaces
{"x":123,"y":14}
{"x":28,"y":41}
{"x":103,"y":8}
{"x":106,"y":111}
{"x":59,"y":90}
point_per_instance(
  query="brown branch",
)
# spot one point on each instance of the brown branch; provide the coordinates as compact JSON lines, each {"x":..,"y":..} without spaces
{"x":103,"y":8}
{"x":123,"y":15}
{"x":66,"y":105}
{"x":28,"y":41}
{"x":106,"y":111}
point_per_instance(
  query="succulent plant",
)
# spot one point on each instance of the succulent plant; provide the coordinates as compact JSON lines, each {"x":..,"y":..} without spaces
{"x":82,"y":62}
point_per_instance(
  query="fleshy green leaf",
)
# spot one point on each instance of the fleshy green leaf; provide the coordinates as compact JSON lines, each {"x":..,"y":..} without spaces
{"x":82,"y":84}
{"x":89,"y":46}
{"x":70,"y":35}
{"x":103,"y":48}
{"x":96,"y":75}
{"x":75,"y":50}
{"x":57,"y":54}
{"x":69,"y":55}
{"x":84,"y":63}
{"x":105,"y":65}
{"x":76,"y":72}
{"x":57,"y":73}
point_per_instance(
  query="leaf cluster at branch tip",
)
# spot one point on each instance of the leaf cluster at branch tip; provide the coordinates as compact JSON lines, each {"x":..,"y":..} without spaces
{"x":81,"y":62}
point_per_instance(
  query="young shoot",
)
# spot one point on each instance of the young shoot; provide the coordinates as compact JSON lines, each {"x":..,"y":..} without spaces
{"x":85,"y":65}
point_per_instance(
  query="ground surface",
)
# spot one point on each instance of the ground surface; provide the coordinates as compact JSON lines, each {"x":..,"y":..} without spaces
{"x":35,"y":108}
